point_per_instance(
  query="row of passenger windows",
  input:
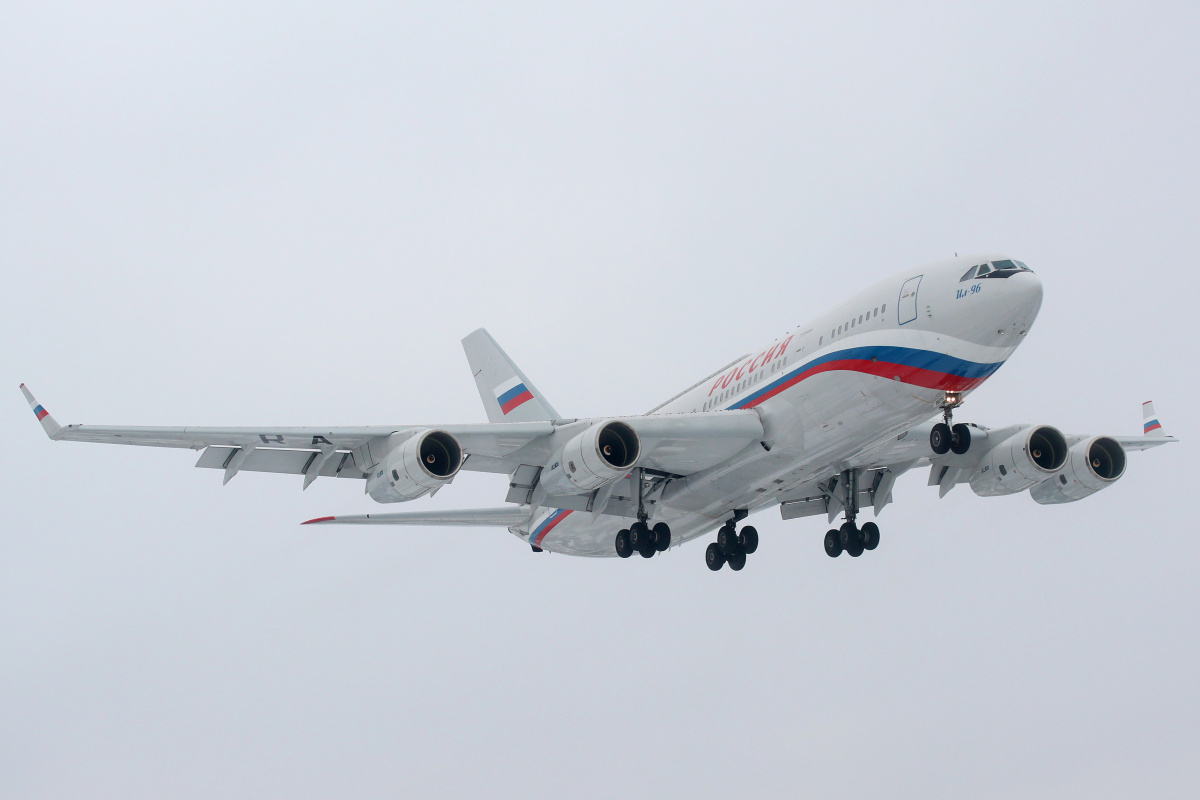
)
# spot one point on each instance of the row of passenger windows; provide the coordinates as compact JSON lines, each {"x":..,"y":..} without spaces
{"x":995,"y":269}
{"x":741,"y":386}
{"x":853,"y":323}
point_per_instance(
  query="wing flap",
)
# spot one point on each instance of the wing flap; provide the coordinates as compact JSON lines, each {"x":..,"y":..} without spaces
{"x":504,"y":517}
{"x":285,"y":462}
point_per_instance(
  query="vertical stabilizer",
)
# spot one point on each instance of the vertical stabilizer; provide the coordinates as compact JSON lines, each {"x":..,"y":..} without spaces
{"x":1150,"y":424}
{"x":508,"y":396}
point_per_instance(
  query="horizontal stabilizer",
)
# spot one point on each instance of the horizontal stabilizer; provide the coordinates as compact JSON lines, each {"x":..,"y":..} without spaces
{"x":503,"y":517}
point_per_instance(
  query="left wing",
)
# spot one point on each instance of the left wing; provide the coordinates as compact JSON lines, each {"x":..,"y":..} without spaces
{"x":678,"y":444}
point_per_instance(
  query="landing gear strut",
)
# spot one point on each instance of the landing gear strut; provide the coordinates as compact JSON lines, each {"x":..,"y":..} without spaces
{"x":946,"y":436}
{"x":640,"y":537}
{"x":849,"y":537}
{"x":732,"y":546}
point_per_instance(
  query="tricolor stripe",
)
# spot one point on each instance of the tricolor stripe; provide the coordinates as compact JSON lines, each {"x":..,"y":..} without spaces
{"x":923,"y":368}
{"x":41,"y":413}
{"x":1152,"y":425}
{"x":539,"y":533}
{"x":511,"y":394}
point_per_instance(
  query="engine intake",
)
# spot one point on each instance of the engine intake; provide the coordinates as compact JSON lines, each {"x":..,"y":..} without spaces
{"x":1092,"y":464}
{"x":423,"y":462}
{"x":594,"y":457}
{"x":1029,"y":455}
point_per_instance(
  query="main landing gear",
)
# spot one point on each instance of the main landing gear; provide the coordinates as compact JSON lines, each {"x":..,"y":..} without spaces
{"x":851,"y":538}
{"x":640,"y":537}
{"x":731,"y":547}
{"x":947,"y":437}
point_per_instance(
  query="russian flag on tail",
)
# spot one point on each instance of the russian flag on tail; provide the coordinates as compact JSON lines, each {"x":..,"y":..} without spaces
{"x":511,"y":394}
{"x":1150,"y":422}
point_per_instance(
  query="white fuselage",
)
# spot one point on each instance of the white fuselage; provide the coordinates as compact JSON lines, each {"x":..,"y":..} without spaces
{"x":829,"y":393}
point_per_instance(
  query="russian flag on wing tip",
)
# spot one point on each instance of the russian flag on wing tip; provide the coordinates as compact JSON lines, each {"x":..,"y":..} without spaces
{"x":1150,"y":423}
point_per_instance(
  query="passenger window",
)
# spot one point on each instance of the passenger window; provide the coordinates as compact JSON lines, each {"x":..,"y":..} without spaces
{"x":883,"y":308}
{"x":821,"y":341}
{"x":970,"y":274}
{"x":860,"y":319}
{"x":877,"y":311}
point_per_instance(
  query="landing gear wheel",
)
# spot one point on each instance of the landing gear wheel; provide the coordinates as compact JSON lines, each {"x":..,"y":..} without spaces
{"x":870,"y":536}
{"x":852,"y":539}
{"x":714,"y":557}
{"x":833,"y":544}
{"x":737,"y":561}
{"x":624,"y":548}
{"x":647,"y":550}
{"x":940,"y":438}
{"x":727,"y":540}
{"x":639,"y":536}
{"x":960,"y":439}
{"x":748,"y":539}
{"x":662,"y":536}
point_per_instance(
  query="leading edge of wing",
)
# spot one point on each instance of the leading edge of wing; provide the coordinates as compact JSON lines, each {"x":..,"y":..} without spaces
{"x":503,"y":517}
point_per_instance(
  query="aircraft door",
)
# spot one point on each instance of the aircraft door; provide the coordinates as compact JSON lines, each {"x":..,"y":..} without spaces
{"x":906,"y":308}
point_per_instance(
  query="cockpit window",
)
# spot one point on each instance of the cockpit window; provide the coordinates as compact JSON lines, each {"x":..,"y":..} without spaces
{"x":1005,"y":264}
{"x":1003,"y":268}
{"x":1023,"y":266}
{"x":970,"y":274}
{"x":984,"y":269}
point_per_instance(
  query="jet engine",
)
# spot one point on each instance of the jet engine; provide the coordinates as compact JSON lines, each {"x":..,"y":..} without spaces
{"x":594,"y":457}
{"x":1029,"y":455}
{"x":1092,"y":464}
{"x":421,"y":463}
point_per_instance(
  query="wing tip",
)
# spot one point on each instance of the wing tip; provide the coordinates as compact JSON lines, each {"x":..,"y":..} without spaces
{"x":318,"y":520}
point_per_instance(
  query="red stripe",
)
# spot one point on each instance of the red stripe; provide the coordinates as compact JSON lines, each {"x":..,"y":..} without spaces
{"x":318,"y":519}
{"x":1153,"y":427}
{"x":43,"y":414}
{"x":550,"y":527}
{"x":516,"y":401}
{"x":928,"y":379}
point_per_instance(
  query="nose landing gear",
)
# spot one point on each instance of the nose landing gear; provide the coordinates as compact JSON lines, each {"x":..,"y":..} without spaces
{"x":946,"y":436}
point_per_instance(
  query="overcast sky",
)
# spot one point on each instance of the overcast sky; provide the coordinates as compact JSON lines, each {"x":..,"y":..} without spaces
{"x":291,"y":214}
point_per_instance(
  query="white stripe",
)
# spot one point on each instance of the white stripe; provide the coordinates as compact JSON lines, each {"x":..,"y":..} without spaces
{"x":508,"y":384}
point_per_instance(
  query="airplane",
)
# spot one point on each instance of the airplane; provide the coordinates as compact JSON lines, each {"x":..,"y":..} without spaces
{"x":822,"y":420}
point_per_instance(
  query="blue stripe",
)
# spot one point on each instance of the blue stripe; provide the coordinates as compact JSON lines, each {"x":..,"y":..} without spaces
{"x":558,"y":513}
{"x":907,"y":356}
{"x":511,"y":393}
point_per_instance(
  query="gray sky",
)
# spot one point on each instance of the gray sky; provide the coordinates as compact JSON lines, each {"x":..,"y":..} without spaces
{"x":290,"y":214}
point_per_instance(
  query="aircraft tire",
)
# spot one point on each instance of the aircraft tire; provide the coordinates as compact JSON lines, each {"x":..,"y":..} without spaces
{"x":662,"y":536}
{"x":849,"y":534}
{"x":737,"y":561}
{"x":639,"y":535}
{"x":833,"y":544}
{"x":960,"y":439}
{"x":940,"y":438}
{"x":714,"y":557}
{"x":749,"y":539}
{"x":870,"y":536}
{"x":727,"y":540}
{"x":624,"y":548}
{"x":647,"y":550}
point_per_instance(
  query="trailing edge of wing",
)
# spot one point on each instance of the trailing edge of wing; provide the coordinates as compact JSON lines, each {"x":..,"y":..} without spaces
{"x":503,"y":517}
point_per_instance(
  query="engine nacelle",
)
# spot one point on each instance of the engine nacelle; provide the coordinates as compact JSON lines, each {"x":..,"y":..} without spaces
{"x":594,"y":457}
{"x":423,"y":462}
{"x":1092,"y":464}
{"x":1028,"y":456}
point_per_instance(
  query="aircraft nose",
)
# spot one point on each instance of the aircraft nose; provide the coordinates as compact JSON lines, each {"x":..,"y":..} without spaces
{"x":1023,"y":299}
